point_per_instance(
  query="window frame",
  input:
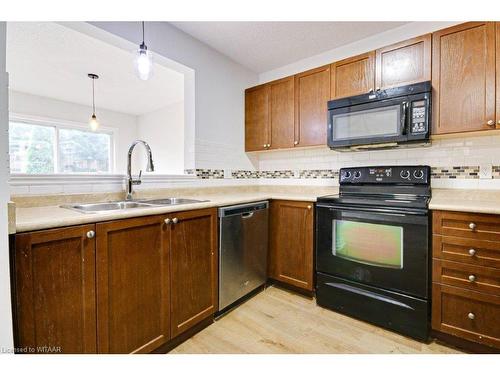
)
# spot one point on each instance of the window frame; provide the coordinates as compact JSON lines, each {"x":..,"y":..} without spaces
{"x":58,"y":124}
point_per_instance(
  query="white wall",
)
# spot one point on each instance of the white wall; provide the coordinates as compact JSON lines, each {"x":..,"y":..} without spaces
{"x":125,"y":125}
{"x":6,"y":336}
{"x":219,"y":91}
{"x":371,"y":43}
{"x":164,"y":132}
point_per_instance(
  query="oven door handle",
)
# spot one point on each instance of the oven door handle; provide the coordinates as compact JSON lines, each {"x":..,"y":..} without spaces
{"x":382,"y":211}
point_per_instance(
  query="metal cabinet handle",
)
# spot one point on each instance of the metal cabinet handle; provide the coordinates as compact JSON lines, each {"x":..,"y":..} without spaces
{"x":309,"y":207}
{"x":471,"y":316}
{"x":472,"y":252}
{"x":175,"y":220}
{"x":491,"y":123}
{"x":296,"y":143}
{"x":472,"y":278}
{"x":264,"y":145}
{"x":472,"y":226}
{"x":498,"y":122}
{"x":90,"y":234}
{"x":168,"y":221}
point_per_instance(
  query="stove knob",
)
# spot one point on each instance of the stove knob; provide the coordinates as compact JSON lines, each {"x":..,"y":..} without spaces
{"x":357,"y":174}
{"x":405,"y":174}
{"x":346,"y":175}
{"x":418,"y":173}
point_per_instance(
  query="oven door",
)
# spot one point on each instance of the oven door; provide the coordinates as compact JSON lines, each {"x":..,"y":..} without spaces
{"x":383,"y":121}
{"x":383,"y":248}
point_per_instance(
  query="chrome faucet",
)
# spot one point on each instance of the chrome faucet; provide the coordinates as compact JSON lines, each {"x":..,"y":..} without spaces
{"x":149,"y":168}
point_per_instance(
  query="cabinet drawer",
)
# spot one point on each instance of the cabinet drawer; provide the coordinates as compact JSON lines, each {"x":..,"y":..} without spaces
{"x":461,"y":224}
{"x":470,"y":315}
{"x":466,"y":250}
{"x":480,"y":279}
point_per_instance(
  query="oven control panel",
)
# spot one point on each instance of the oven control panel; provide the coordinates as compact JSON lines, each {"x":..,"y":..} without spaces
{"x":415,"y":174}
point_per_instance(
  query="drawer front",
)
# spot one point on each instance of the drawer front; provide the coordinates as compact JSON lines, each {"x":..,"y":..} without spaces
{"x":480,"y":279}
{"x":462,"y":224}
{"x":466,"y":250}
{"x":469,"y":315}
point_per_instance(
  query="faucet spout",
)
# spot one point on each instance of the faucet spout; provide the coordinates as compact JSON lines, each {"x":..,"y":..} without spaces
{"x":149,"y":168}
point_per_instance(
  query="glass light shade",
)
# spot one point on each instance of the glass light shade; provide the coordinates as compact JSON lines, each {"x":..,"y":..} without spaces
{"x":93,"y":123}
{"x":143,"y":63}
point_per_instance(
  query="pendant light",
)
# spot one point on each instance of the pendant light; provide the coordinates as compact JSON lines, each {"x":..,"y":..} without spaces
{"x":143,"y":60}
{"x":93,"y":123}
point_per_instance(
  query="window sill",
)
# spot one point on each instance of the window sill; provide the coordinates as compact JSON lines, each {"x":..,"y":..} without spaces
{"x":83,"y":178}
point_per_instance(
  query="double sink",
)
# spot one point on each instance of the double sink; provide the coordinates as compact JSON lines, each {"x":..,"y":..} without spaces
{"x":125,"y":205}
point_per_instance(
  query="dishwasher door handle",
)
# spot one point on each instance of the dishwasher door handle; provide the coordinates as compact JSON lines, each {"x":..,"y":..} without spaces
{"x":247,"y":215}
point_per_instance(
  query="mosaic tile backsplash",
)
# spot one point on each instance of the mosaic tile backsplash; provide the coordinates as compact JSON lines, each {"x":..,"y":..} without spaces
{"x":450,"y":172}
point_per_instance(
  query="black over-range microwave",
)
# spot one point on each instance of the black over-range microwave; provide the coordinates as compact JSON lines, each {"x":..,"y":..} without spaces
{"x":380,"y":119}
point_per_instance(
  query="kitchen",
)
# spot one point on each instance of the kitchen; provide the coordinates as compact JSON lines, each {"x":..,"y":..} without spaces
{"x":343,"y":199}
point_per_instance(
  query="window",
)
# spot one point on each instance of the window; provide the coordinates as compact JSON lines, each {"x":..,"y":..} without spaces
{"x":46,"y":149}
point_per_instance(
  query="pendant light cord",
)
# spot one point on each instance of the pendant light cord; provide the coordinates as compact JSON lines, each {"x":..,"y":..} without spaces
{"x":142,"y":32}
{"x":93,"y":97}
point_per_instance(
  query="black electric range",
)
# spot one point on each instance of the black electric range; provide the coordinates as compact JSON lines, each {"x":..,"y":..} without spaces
{"x":372,"y":247}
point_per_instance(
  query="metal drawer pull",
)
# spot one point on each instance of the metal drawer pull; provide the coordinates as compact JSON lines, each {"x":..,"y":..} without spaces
{"x":471,"y":316}
{"x":472,"y":226}
{"x":491,"y":123}
{"x":472,"y":278}
{"x":175,"y":220}
{"x":472,"y":252}
{"x":168,"y":220}
{"x":90,"y":234}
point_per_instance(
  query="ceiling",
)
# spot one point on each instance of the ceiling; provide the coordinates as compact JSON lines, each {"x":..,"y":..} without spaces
{"x":51,"y":60}
{"x":263,"y":46}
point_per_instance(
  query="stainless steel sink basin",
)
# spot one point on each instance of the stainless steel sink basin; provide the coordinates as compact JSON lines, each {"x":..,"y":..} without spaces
{"x":125,"y":205}
{"x":108,"y":206}
{"x":170,"y":201}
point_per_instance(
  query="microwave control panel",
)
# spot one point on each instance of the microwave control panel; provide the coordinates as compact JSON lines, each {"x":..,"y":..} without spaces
{"x":418,"y":117}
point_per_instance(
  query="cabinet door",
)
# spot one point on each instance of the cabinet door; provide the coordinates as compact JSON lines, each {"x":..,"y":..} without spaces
{"x":463,"y":78}
{"x":257,"y":130}
{"x":55,"y":290}
{"x":281,"y":104}
{"x":312,"y":92}
{"x":353,"y":76}
{"x":404,"y":63}
{"x":193,"y":268}
{"x":291,"y":245}
{"x":497,"y":25}
{"x":132,"y":285}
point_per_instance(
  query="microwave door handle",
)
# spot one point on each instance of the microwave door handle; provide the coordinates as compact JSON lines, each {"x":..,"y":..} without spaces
{"x":404,"y":116}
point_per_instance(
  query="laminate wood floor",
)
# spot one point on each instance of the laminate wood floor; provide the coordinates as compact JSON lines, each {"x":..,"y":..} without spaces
{"x":277,"y":321}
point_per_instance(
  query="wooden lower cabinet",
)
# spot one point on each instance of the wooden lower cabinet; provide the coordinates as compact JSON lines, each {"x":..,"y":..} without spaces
{"x":466,"y":276}
{"x":55,"y":291}
{"x":133,"y":304}
{"x":193,"y":260}
{"x":124,"y":286}
{"x":292,"y":243}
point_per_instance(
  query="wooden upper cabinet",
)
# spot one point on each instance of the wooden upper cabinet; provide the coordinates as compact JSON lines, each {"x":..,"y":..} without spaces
{"x":404,"y":63}
{"x":193,"y":268}
{"x":55,"y":290}
{"x":312,"y":92}
{"x":498,"y":74}
{"x":281,"y":107}
{"x":463,"y":78}
{"x":353,"y":76}
{"x":257,"y":129}
{"x":133,"y":285}
{"x":291,"y":243}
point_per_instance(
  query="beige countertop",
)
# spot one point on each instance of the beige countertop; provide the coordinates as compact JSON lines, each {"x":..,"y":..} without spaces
{"x":52,"y":216}
{"x":477,"y":201}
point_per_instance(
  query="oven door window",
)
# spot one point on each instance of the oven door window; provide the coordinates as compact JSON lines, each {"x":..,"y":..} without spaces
{"x":369,"y":123}
{"x":374,"y":244}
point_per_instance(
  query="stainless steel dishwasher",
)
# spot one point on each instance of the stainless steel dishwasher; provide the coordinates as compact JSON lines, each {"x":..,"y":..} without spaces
{"x":242,"y":250}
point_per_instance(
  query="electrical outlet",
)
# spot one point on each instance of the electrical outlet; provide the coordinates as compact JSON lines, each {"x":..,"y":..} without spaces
{"x":486,"y":171}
